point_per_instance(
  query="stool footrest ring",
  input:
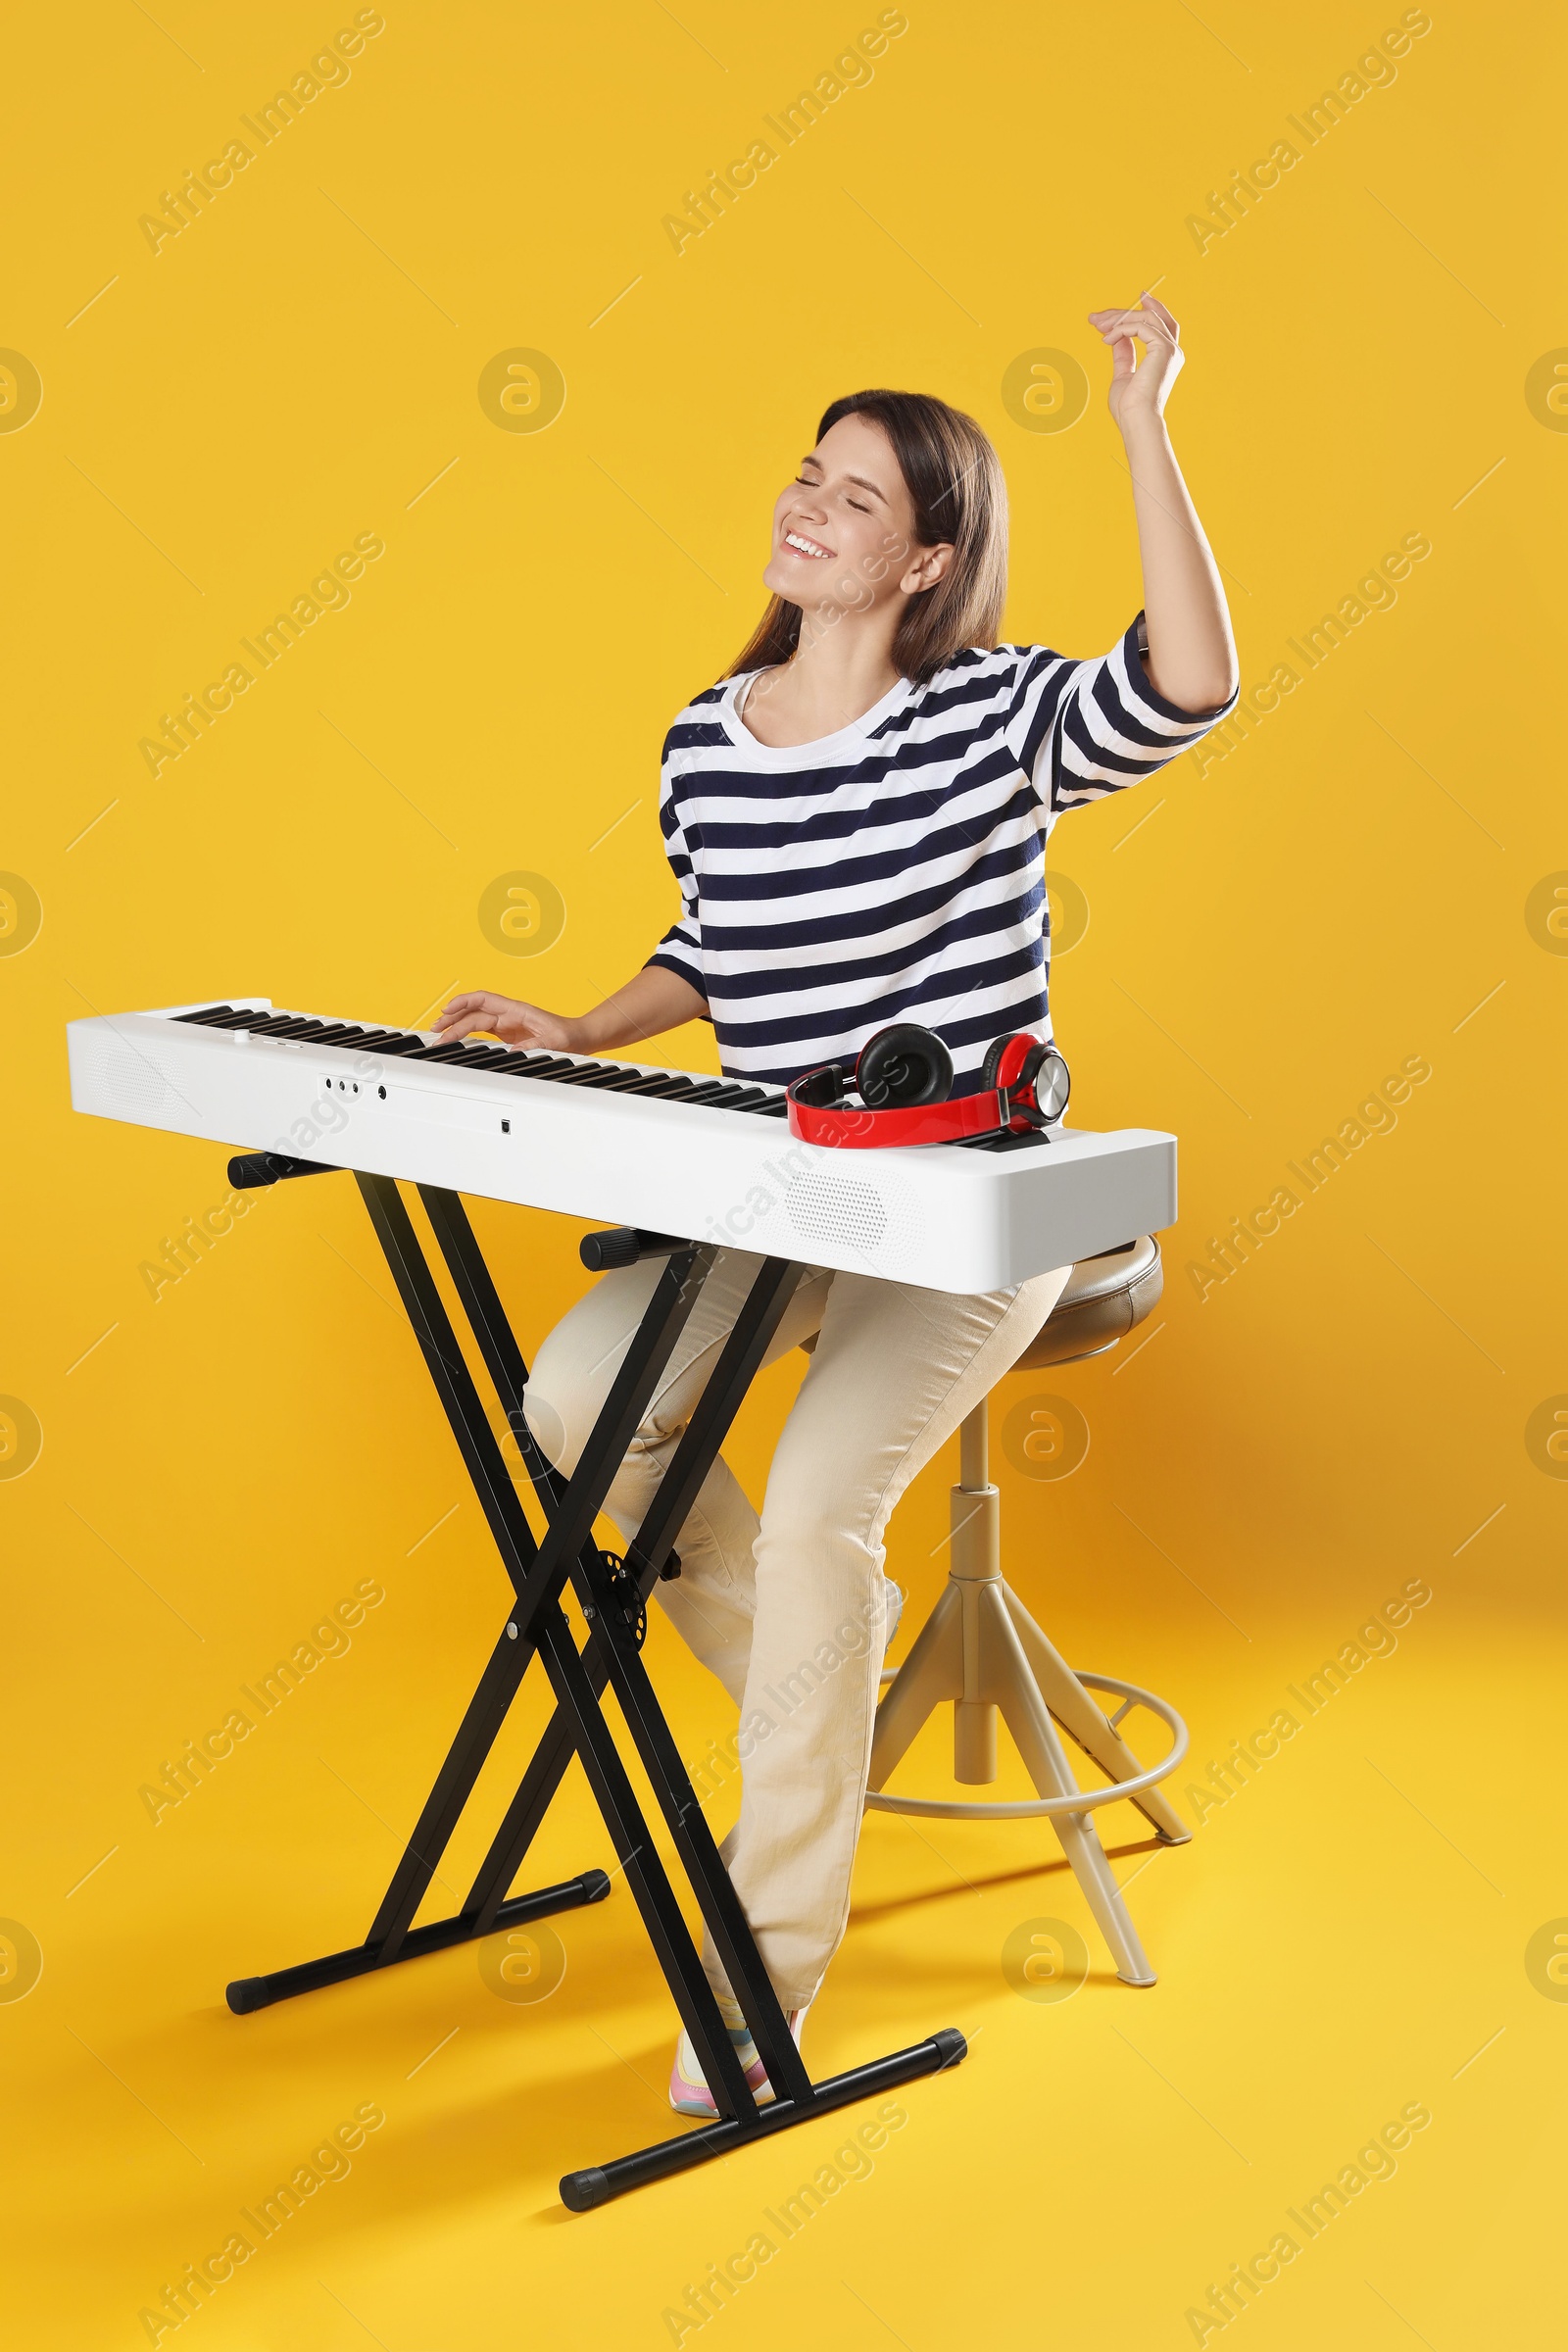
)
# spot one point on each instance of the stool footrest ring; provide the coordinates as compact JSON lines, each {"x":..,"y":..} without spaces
{"x":1078,"y":1800}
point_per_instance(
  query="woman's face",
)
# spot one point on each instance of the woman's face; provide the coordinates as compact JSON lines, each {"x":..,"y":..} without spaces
{"x":844,"y":529}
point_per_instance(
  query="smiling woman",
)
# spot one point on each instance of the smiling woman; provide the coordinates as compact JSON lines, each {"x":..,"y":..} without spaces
{"x":901,"y":488}
{"x":856,"y":817}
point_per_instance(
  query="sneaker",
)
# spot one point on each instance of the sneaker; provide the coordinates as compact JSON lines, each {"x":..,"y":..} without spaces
{"x":689,"y":2093}
{"x":893,"y":1596}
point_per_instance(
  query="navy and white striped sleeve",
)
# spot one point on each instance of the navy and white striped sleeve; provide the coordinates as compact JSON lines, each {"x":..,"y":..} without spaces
{"x":681,"y":947}
{"x":1083,"y":729}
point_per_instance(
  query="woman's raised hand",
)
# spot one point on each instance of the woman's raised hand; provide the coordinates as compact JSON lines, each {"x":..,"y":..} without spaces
{"x":1140,"y":388}
{"x":514,"y":1023}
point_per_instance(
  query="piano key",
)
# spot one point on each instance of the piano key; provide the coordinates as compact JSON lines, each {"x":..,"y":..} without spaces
{"x":622,"y":1078}
{"x":726,"y":1093}
{"x":645,"y":1082}
{"x":613,"y":1076}
{"x":534,"y":1065}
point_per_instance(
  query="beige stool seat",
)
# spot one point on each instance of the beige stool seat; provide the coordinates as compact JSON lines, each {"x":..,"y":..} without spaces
{"x":1104,"y":1298}
{"x":981,"y":1652}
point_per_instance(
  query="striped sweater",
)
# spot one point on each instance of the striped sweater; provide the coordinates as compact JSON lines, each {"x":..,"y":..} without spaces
{"x":894,"y":870}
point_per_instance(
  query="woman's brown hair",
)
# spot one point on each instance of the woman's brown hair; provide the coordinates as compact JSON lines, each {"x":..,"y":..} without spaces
{"x":954,"y":478}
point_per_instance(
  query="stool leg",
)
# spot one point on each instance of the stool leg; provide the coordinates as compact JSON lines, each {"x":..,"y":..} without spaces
{"x":932,"y":1672}
{"x":1028,"y":1718}
{"x":1079,"y":1715}
{"x":974,"y":1716}
{"x":976,"y":1552}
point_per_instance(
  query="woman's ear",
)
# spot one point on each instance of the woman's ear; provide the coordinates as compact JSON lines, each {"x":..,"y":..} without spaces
{"x":928,"y":565}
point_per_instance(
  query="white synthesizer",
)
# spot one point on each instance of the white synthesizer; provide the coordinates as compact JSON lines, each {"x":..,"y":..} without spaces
{"x":710,"y":1159}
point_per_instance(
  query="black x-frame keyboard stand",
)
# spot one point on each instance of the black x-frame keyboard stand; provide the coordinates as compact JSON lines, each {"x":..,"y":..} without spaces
{"x":614,"y":1600}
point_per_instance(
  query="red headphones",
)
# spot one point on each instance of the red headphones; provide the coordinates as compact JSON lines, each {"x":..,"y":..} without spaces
{"x":903,"y":1077}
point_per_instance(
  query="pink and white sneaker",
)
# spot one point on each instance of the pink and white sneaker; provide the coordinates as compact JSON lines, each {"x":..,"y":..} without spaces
{"x":689,"y":2093}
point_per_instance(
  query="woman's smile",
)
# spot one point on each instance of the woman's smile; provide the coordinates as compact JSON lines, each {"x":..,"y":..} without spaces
{"x":798,"y":544}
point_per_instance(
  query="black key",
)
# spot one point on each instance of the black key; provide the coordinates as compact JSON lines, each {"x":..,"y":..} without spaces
{"x":401,"y":1040}
{"x":534,"y":1065}
{"x":627,"y":1080}
{"x":208,"y":1014}
{"x":649,"y":1083}
{"x":348,"y":1033}
{"x":665,"y":1086}
{"x":611,"y":1077}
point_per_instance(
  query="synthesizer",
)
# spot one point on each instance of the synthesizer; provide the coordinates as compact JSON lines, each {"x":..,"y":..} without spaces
{"x":674,"y":1152}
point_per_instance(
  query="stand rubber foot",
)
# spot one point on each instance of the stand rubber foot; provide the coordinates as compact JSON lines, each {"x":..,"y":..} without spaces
{"x":597,"y":2183}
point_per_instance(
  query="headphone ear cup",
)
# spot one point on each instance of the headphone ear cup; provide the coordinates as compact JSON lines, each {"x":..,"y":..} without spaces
{"x":1047,"y":1074}
{"x":902,"y":1067}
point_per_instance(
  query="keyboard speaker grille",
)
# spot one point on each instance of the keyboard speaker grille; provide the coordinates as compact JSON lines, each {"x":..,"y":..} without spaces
{"x":880,"y":1221}
{"x":126,"y":1075}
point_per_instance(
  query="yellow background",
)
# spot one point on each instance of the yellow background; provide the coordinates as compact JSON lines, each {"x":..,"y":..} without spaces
{"x":219,"y":1468}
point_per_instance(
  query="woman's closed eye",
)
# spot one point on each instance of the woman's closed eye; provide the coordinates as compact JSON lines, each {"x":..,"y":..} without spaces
{"x":803,"y":484}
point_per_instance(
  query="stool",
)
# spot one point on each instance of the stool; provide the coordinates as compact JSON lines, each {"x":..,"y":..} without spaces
{"x":981,"y":1649}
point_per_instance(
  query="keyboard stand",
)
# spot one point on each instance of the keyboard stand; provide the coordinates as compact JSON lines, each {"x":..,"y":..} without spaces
{"x":613,"y":1598}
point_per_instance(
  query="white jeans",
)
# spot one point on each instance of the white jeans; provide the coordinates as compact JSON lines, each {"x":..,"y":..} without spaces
{"x":789,"y":1611}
